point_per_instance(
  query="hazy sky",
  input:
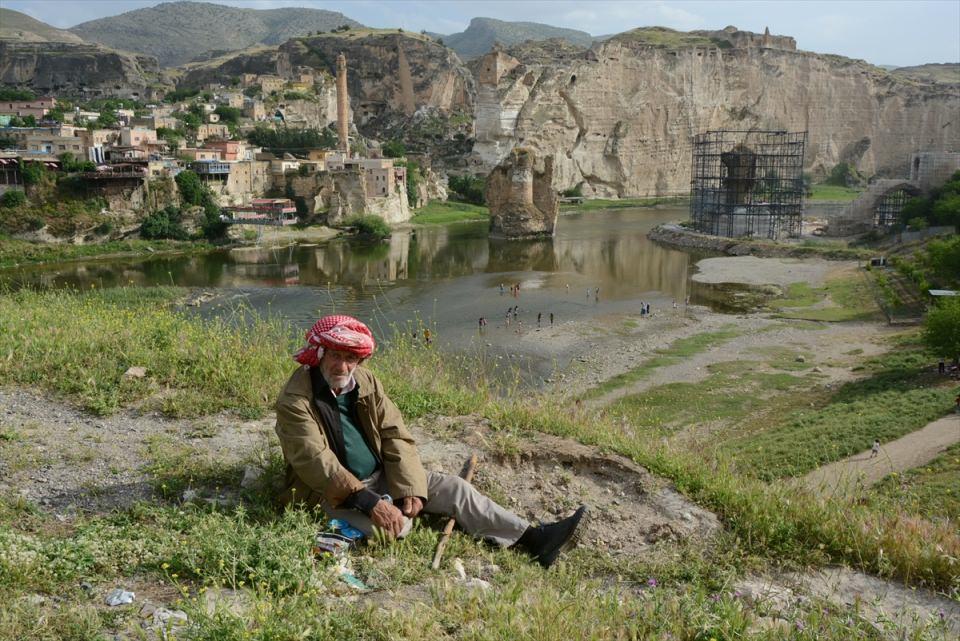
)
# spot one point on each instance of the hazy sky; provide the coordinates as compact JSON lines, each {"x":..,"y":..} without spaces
{"x":897,"y":32}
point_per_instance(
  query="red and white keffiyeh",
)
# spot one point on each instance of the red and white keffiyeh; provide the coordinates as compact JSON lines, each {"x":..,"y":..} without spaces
{"x":344,"y":333}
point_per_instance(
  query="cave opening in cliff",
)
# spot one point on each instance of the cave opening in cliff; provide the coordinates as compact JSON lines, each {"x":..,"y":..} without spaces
{"x":747,"y":183}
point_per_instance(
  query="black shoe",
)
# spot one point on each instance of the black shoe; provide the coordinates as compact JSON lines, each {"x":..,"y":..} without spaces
{"x":545,"y":542}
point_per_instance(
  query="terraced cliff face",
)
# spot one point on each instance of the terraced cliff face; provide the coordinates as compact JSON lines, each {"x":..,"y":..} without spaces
{"x":619,"y":117}
{"x":67,"y":68}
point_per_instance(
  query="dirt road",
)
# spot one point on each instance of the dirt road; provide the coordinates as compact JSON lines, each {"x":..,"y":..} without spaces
{"x":862,"y":470}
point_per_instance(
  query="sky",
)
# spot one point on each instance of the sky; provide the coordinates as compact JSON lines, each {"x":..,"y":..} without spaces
{"x":889,"y":32}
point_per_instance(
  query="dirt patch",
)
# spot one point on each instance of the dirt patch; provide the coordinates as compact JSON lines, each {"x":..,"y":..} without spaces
{"x":545,"y":477}
{"x":894,"y":609}
{"x":751,"y":270}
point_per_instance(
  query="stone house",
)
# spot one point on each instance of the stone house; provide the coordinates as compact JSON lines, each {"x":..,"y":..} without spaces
{"x":38,"y":108}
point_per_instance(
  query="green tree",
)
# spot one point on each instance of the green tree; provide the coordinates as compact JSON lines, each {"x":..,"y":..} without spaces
{"x":394,"y":149}
{"x":413,"y":182}
{"x":943,"y":260}
{"x":31,"y":172}
{"x":228,"y":114}
{"x":13,"y":198}
{"x":946,"y":211}
{"x":163,"y":223}
{"x":941,"y":328}
{"x":191,"y":188}
{"x":12,"y":93}
{"x":106,"y":120}
{"x":468,"y":188}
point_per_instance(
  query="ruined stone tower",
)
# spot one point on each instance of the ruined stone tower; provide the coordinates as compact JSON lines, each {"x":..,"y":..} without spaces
{"x":343,"y":105}
{"x":522,"y":201}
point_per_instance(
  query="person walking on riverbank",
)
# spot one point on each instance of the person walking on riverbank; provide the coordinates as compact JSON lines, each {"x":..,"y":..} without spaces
{"x":875,"y":450}
{"x":551,"y":318}
{"x":346,"y":448}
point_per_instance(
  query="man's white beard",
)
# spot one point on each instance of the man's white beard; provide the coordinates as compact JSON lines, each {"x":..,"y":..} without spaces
{"x":338,"y":382}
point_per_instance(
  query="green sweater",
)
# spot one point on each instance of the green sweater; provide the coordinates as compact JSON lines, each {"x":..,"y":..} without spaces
{"x":360,"y":459}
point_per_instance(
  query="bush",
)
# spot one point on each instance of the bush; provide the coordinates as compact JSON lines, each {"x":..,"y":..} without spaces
{"x":941,"y":328}
{"x":191,"y":189}
{"x":32,"y":172}
{"x":844,"y":175}
{"x":103,"y":228}
{"x":394,"y":149}
{"x":413,"y":181}
{"x":368,"y":225}
{"x":469,"y":188}
{"x":574,"y":192}
{"x":285,"y":139}
{"x":228,"y":115}
{"x":13,"y":198}
{"x":163,"y":223}
{"x":917,"y":224}
{"x":11,"y":93}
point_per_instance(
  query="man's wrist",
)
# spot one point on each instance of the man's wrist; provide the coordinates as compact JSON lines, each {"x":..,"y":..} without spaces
{"x":364,"y":500}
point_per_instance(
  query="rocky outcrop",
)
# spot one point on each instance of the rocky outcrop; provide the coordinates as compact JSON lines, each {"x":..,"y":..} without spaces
{"x":388,"y":72}
{"x":338,"y":195}
{"x":522,"y":201}
{"x":61,"y":67}
{"x":619,"y":117}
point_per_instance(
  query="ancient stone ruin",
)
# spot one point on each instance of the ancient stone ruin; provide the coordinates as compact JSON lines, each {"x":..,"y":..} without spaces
{"x":522,"y":201}
{"x":747,"y":183}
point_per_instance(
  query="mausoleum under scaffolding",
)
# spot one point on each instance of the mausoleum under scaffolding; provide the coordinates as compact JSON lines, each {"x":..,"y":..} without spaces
{"x":747,"y":183}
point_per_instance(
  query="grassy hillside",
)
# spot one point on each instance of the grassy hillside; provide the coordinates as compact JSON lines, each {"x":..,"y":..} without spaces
{"x":947,"y":72}
{"x":19,"y":26}
{"x":482,"y":33}
{"x":179,"y":32}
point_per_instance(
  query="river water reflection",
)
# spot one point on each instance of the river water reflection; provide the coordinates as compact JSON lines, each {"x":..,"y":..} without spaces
{"x":447,"y":276}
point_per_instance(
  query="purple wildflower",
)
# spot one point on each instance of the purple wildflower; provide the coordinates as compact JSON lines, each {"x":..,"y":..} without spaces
{"x":651,"y":582}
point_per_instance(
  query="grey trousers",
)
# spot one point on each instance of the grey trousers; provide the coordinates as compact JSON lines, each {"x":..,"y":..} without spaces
{"x":448,"y":495}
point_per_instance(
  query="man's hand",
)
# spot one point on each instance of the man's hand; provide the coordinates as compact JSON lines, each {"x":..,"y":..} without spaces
{"x":387,"y":517}
{"x":411,"y":506}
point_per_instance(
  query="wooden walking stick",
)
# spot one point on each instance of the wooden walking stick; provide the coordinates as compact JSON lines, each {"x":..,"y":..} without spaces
{"x":467,"y":475}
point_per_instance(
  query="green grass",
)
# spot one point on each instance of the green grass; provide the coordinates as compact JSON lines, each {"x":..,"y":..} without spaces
{"x":444,"y":213}
{"x":898,"y":397}
{"x":668,"y":38}
{"x":732,"y":391}
{"x":20,"y":252}
{"x":833,"y":193}
{"x":851,"y":297}
{"x":680,"y":349}
{"x":767,"y":523}
{"x":931,"y":490}
{"x":594,"y":204}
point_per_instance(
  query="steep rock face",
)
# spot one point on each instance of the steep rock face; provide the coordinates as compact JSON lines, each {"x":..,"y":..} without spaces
{"x":522,"y":201}
{"x":619,"y":118}
{"x":60,"y":67}
{"x":388,"y":73}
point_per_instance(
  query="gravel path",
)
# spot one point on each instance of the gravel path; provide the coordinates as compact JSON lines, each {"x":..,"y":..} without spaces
{"x":910,"y":451}
{"x":751,"y":270}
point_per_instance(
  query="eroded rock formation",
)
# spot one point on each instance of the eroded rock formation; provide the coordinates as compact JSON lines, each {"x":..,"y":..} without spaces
{"x":618,"y":118}
{"x":522,"y":201}
{"x":62,"y":67}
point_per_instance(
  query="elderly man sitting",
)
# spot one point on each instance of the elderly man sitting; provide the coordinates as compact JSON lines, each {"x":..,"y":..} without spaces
{"x":346,"y":448}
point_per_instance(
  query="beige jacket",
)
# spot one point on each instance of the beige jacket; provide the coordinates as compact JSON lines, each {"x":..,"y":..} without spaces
{"x":314,"y":473}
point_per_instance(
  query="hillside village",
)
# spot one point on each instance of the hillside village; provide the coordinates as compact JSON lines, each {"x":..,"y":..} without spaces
{"x":204,"y":134}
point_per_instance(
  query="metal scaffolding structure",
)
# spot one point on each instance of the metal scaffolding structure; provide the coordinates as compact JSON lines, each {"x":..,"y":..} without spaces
{"x":747,"y":183}
{"x":887,"y":210}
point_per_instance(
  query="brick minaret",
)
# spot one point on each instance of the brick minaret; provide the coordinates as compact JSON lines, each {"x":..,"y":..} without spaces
{"x":343,"y":105}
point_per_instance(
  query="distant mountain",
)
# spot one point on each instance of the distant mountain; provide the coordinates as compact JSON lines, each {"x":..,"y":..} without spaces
{"x":948,"y":72}
{"x":19,"y":26}
{"x":482,"y":33}
{"x":177,"y":32}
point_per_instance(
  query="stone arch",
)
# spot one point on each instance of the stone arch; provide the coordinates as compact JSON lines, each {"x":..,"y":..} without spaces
{"x":888,"y":203}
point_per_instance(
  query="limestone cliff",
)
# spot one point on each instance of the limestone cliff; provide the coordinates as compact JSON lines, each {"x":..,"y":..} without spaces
{"x":619,"y":117}
{"x":391,"y":75}
{"x":67,"y":68}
